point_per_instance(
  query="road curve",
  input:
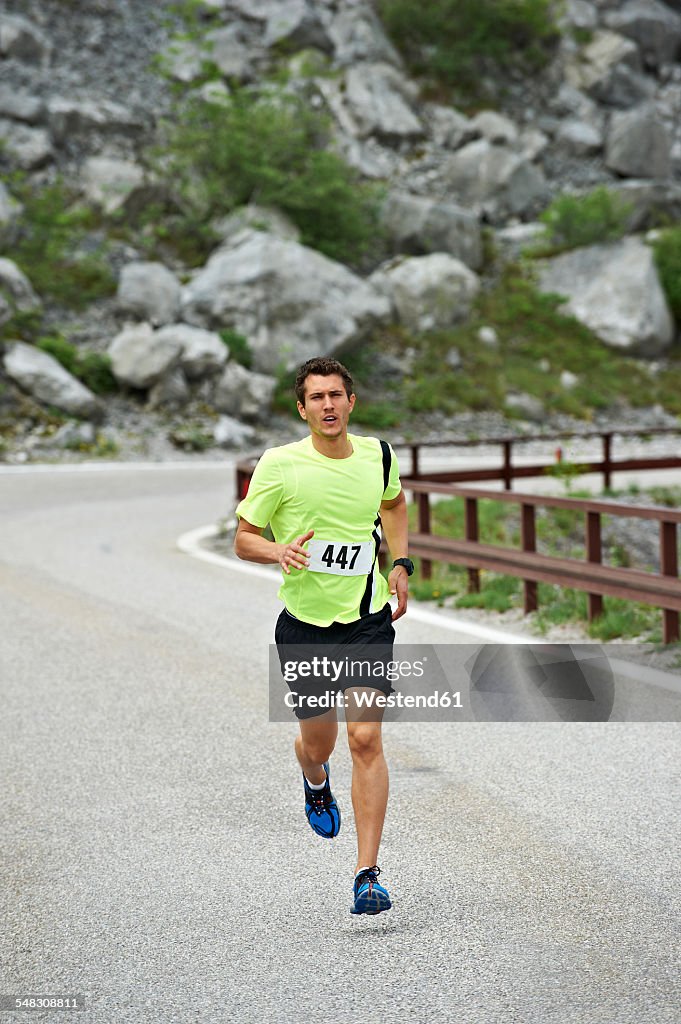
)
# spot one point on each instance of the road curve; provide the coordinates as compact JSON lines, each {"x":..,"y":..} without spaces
{"x":155,"y":856}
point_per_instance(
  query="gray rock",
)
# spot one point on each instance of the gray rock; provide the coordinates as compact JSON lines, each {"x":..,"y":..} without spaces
{"x":580,"y":14}
{"x":357,"y":35}
{"x":244,"y":394}
{"x":108,"y":181}
{"x":453,"y":359}
{"x":417,"y":225}
{"x":20,"y":106}
{"x":615,"y":290}
{"x":367,"y":156}
{"x":651,"y":201}
{"x":48,"y":382}
{"x":495,"y":127}
{"x":579,"y":138}
{"x":448,"y":127}
{"x":72,"y":435}
{"x":184,"y":60}
{"x":378,"y":104}
{"x":227,"y":49}
{"x":488,"y":337}
{"x":638,"y":145}
{"x":298,"y":24}
{"x":202,"y":352}
{"x":257,"y":218}
{"x":16,"y":290}
{"x":21,"y":39}
{"x":494,"y":177}
{"x":568,"y":380}
{"x":150,"y":291}
{"x":527,"y":406}
{"x":170,"y":391}
{"x":609,"y":70}
{"x":229,"y":433}
{"x":139,"y":358}
{"x":428,"y":292}
{"x":28,"y":148}
{"x":653,"y":26}
{"x":532,"y":143}
{"x":290,"y":302}
{"x":69,"y":117}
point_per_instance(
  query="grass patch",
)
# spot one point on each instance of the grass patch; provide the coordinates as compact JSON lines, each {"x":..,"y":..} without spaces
{"x":456,"y":43}
{"x":92,"y":368}
{"x":572,"y":221}
{"x":667,"y":252}
{"x":50,"y":232}
{"x":270,"y":148}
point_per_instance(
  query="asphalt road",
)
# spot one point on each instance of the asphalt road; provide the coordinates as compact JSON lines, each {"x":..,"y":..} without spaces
{"x":154,"y":852}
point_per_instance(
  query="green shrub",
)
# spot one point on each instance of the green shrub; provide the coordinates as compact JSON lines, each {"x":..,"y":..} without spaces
{"x":92,"y":368}
{"x":452,"y":41}
{"x":667,"y":251}
{"x":239,"y":349}
{"x":50,"y":230}
{"x":267,"y":148}
{"x":572,"y":221}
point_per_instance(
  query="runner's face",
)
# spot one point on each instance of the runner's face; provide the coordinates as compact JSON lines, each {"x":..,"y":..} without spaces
{"x":327,"y":407}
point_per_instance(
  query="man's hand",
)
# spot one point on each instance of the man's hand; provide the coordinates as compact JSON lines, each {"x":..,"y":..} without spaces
{"x":294,"y":554}
{"x":398,"y":582}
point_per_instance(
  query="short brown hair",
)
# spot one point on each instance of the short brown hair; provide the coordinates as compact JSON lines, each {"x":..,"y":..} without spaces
{"x":324,"y":367}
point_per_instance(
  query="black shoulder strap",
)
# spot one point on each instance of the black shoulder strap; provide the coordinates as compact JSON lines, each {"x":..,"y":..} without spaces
{"x":387,"y":459}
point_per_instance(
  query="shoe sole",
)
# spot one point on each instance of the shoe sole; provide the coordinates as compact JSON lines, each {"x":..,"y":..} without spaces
{"x":364,"y":907}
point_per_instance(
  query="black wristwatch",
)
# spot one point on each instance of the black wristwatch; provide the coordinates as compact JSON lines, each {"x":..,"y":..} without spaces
{"x":407,"y":563}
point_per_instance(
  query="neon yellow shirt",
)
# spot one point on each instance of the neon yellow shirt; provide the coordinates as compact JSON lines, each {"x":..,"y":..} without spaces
{"x":295,"y":489}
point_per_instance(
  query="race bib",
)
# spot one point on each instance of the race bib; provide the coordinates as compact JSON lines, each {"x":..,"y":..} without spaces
{"x":340,"y":558}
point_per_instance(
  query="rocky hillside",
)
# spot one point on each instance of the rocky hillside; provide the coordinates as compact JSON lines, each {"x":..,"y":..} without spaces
{"x":196,"y":196}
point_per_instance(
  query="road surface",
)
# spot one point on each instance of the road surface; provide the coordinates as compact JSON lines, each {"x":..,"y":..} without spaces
{"x":154,"y":852}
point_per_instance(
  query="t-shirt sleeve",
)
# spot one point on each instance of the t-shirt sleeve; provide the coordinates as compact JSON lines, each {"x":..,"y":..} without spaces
{"x":394,"y":484}
{"x":265,"y":492}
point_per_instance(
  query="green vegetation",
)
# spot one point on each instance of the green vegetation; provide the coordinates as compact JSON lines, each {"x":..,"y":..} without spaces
{"x":535,"y":343}
{"x":572,"y":221}
{"x":92,"y":368}
{"x":266,"y":148}
{"x":456,"y":42}
{"x":667,"y":251}
{"x":51,"y":231}
{"x":239,"y":348}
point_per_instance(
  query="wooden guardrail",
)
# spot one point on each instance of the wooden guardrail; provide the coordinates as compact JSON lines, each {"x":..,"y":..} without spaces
{"x":507,"y":471}
{"x":662,"y":590}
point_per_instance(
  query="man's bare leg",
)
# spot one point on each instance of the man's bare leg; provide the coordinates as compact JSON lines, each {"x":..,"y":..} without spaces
{"x":315,"y":743}
{"x":369,"y":788}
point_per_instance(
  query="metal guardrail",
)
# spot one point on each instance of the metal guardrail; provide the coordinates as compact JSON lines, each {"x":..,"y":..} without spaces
{"x":662,"y":590}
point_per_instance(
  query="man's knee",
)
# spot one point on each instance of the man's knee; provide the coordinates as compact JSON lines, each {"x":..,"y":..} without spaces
{"x":365,"y":741}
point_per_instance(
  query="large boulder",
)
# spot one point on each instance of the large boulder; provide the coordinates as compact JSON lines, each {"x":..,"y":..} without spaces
{"x":298,"y":24}
{"x":20,"y":106}
{"x":10,"y":208}
{"x":69,"y":117}
{"x":228,"y":51}
{"x":244,"y":394}
{"x":16,"y":291}
{"x":417,"y":225}
{"x":202,"y":352}
{"x":149,"y":291}
{"x":615,"y":290}
{"x":375,"y":100}
{"x":21,"y":39}
{"x":502,"y":182}
{"x":141,"y":356}
{"x":638,"y":146}
{"x":609,"y":70}
{"x":108,"y":180}
{"x":259,"y":218}
{"x":652,"y":25}
{"x":40,"y":375}
{"x":428,"y":292}
{"x":357,"y":35}
{"x":27,"y":147}
{"x":289,"y":301}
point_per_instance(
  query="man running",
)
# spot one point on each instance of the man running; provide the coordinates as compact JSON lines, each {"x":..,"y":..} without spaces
{"x":325,"y":498}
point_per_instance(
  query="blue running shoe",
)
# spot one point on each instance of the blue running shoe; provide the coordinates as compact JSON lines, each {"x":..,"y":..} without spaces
{"x":370,"y":897}
{"x":321,"y":809}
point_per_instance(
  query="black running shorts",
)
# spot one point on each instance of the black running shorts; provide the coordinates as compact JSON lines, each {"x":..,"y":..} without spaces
{"x":342,"y":655}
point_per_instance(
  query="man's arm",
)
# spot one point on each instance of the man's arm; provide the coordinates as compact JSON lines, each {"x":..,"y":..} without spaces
{"x":396,"y":530}
{"x":250,"y":545}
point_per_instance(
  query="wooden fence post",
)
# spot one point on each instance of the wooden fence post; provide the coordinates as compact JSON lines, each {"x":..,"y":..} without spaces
{"x":669,"y":565}
{"x":471,"y":519}
{"x":594,"y":554}
{"x":528,"y":535}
